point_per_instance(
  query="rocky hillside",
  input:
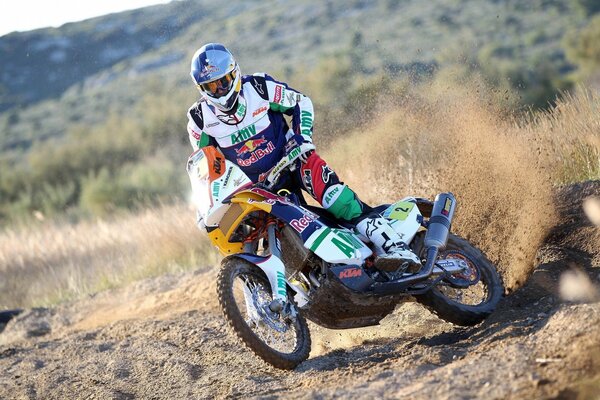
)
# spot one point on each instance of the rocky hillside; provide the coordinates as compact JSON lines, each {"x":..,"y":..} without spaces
{"x":52,"y":78}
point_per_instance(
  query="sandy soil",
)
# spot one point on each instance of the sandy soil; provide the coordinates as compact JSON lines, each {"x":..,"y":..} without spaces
{"x":165,"y":338}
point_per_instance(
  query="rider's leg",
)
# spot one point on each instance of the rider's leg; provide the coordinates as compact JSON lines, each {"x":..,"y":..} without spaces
{"x":392,"y":252}
{"x":324,"y":185}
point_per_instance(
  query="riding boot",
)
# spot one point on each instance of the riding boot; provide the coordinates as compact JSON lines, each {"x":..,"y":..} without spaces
{"x":392,"y":252}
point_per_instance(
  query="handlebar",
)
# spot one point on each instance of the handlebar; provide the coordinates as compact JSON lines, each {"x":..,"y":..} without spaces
{"x":287,"y":162}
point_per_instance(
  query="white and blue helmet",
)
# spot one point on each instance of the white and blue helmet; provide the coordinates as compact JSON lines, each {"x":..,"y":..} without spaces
{"x":217,"y":75}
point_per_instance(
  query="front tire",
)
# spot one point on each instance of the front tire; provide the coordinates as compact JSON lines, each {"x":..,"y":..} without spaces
{"x":254,"y":331}
{"x":447,"y":302}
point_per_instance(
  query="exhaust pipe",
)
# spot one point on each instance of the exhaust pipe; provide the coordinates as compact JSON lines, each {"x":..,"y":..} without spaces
{"x":436,"y":239}
{"x":438,"y":230}
{"x":440,"y":221}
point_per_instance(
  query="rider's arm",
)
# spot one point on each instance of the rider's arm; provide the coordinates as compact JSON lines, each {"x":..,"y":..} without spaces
{"x":195,"y":127}
{"x":284,"y":99}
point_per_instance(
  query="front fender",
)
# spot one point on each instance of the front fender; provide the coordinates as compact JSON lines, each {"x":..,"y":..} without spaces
{"x":274,"y":269}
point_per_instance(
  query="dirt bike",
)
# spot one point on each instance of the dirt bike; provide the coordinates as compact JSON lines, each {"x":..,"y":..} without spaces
{"x":287,"y":261}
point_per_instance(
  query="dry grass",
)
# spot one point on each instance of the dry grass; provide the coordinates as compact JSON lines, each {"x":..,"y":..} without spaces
{"x":55,"y":262}
{"x":568,"y":137}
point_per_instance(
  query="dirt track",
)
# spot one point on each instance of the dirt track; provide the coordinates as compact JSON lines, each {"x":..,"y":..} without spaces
{"x":165,"y":338}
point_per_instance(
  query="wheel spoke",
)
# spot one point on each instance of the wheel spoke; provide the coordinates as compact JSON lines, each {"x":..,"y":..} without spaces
{"x":254,"y":301}
{"x":471,"y":295}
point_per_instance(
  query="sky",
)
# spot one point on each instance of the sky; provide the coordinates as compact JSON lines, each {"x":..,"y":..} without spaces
{"x":25,"y":15}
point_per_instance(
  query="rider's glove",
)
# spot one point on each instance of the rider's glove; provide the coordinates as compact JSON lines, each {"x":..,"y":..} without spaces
{"x":306,"y":147}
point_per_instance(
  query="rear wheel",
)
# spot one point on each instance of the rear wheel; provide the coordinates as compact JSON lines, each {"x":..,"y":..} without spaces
{"x":469,"y":297}
{"x":244,"y":295}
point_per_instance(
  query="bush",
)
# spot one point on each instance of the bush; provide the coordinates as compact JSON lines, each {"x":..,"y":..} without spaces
{"x":583,"y":48}
{"x":587,"y":7}
{"x":100,"y":194}
{"x":136,"y":185}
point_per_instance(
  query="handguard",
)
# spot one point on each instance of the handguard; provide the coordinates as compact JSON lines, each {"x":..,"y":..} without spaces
{"x":287,"y":162}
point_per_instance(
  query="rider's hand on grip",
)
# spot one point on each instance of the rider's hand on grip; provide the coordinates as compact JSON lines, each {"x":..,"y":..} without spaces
{"x":298,"y":142}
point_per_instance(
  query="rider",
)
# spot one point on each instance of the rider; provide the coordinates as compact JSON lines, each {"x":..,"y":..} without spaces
{"x":244,"y":117}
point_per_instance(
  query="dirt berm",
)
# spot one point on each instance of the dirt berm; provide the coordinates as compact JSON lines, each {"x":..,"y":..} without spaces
{"x":165,"y":338}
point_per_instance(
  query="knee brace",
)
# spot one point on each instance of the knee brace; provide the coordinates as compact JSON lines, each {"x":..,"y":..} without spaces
{"x":341,"y":201}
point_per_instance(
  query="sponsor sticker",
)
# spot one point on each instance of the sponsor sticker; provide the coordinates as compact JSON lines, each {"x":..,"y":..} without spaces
{"x":350,"y":273}
{"x":258,"y":87}
{"x":290,"y":97}
{"x":331,"y":194}
{"x":217,"y":164}
{"x":306,"y":122}
{"x":447,"y":207}
{"x":237,"y":182}
{"x":226,"y":180}
{"x":302,"y":223}
{"x":241,"y":110}
{"x":294,"y":153}
{"x":277,"y":97}
{"x":256,"y":154}
{"x":281,"y":285}
{"x":259,"y":111}
{"x":243,"y":134}
{"x":282,"y":96}
{"x":196,"y":135}
{"x":250,"y":146}
{"x":216,"y":188}
{"x":209,"y":69}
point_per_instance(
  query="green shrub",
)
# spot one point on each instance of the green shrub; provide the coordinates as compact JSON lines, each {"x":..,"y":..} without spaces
{"x":587,"y":7}
{"x":134,"y":186}
{"x":583,"y":48}
{"x":100,"y":195}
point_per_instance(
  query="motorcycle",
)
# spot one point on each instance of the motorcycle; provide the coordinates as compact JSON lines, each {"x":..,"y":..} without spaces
{"x":287,"y":261}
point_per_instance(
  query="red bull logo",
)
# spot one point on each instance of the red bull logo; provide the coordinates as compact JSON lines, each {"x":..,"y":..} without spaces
{"x":208,"y":69}
{"x":250,"y":146}
{"x":302,"y":223}
{"x":255,"y":154}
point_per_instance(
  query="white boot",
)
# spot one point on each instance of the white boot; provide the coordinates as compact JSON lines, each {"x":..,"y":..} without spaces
{"x":392,"y":252}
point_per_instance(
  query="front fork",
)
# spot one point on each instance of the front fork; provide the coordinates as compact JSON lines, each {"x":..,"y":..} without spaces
{"x":272,"y":266}
{"x":279,"y":290}
{"x":274,"y":269}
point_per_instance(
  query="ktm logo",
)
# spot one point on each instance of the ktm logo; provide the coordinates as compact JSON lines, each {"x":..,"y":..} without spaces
{"x":260,"y":110}
{"x":350,"y":273}
{"x":217,"y":165}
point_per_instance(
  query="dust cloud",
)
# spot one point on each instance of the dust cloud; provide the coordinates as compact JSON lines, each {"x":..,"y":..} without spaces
{"x":458,"y":141}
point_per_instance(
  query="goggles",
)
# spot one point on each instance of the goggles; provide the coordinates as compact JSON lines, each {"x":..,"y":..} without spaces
{"x":219,"y":87}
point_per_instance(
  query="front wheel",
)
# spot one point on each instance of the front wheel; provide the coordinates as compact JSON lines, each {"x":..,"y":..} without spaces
{"x":465,"y":304}
{"x":244,"y":295}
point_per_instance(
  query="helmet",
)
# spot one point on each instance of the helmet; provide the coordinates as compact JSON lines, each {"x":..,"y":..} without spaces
{"x":217,"y":75}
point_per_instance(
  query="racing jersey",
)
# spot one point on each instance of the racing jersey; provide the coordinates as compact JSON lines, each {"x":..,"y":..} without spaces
{"x":255,"y":134}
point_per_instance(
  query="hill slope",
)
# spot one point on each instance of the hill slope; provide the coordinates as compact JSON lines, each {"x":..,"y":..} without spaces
{"x":53,"y":78}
